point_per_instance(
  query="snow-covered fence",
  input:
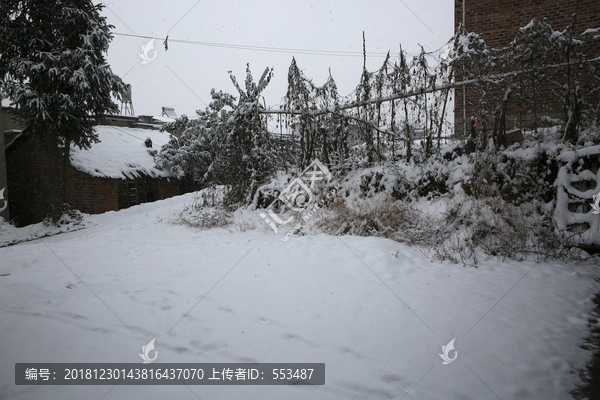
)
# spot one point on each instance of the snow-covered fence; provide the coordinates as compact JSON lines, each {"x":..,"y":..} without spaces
{"x":409,"y":95}
{"x":576,"y":184}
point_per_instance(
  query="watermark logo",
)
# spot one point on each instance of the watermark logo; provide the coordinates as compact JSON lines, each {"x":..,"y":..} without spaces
{"x":145,"y":54}
{"x":298,"y":195}
{"x":147,"y":349}
{"x":596,"y":203}
{"x":446,"y":352}
{"x":2,"y":198}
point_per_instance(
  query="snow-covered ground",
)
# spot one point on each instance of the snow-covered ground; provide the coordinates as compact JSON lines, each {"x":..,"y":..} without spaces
{"x":376,"y":312}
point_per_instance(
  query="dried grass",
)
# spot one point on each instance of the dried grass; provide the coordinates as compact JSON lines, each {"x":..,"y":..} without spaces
{"x":467,"y":233}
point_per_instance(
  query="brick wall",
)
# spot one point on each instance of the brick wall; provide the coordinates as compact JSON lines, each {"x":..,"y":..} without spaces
{"x":26,"y":175}
{"x":95,"y":195}
{"x":90,"y":194}
{"x":497,"y":22}
{"x":9,"y":120}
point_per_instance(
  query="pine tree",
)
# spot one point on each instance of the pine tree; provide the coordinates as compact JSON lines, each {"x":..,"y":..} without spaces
{"x":53,"y":68}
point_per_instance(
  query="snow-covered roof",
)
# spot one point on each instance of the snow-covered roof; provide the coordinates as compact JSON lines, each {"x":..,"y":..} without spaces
{"x":163,"y":119}
{"x":121,"y":153}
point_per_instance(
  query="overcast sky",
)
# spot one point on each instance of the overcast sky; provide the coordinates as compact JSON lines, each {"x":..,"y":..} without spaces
{"x":183,"y":76}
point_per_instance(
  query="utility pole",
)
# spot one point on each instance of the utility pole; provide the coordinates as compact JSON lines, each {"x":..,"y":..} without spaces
{"x":464,"y":88}
{"x":3,"y":178}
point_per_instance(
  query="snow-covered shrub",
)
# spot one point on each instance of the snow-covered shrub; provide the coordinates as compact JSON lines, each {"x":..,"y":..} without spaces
{"x":192,"y":155}
{"x":433,"y":178}
{"x":404,"y":180}
{"x":371,"y":184}
{"x":530,"y":178}
{"x":269,"y":192}
{"x":467,"y":232}
{"x":235,"y":150}
{"x":205,"y":210}
{"x":483,"y":179}
{"x":518,"y":176}
{"x":380,"y":215}
{"x":590,"y":137}
{"x":264,"y":196}
{"x":498,"y":229}
{"x":69,"y":217}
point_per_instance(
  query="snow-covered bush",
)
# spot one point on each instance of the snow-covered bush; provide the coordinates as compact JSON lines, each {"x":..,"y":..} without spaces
{"x":470,"y":230}
{"x":433,"y":179}
{"x":403,"y":180}
{"x":234,"y":150}
{"x":69,"y":218}
{"x":205,"y":210}
{"x":192,"y":154}
{"x":380,"y":215}
{"x":498,"y":229}
{"x":518,"y":176}
{"x":269,"y":192}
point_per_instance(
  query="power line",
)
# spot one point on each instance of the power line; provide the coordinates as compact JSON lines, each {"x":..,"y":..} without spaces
{"x":264,"y":48}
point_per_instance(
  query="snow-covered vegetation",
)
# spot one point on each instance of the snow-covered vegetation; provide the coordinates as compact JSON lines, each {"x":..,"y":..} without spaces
{"x":373,"y":283}
{"x":390,"y":136}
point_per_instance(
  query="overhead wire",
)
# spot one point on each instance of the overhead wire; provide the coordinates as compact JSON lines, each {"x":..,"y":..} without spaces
{"x":333,"y":53}
{"x":288,"y":50}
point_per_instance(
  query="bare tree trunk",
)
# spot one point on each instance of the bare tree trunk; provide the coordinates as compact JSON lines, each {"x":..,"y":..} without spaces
{"x":443,"y":112}
{"x":324,"y":150}
{"x":573,"y":118}
{"x":65,"y":169}
{"x":393,"y":128}
{"x":407,"y":133}
{"x":499,"y":131}
{"x":534,"y":94}
{"x":379,"y":124}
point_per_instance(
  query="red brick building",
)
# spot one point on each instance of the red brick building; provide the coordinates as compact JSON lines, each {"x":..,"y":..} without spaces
{"x":114,"y":174}
{"x":498,"y":21}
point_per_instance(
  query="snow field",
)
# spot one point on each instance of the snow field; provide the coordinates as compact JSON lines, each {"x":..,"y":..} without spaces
{"x":376,"y":312}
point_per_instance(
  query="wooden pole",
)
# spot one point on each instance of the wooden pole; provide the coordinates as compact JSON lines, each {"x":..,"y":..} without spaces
{"x":3,"y":176}
{"x":443,"y":112}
